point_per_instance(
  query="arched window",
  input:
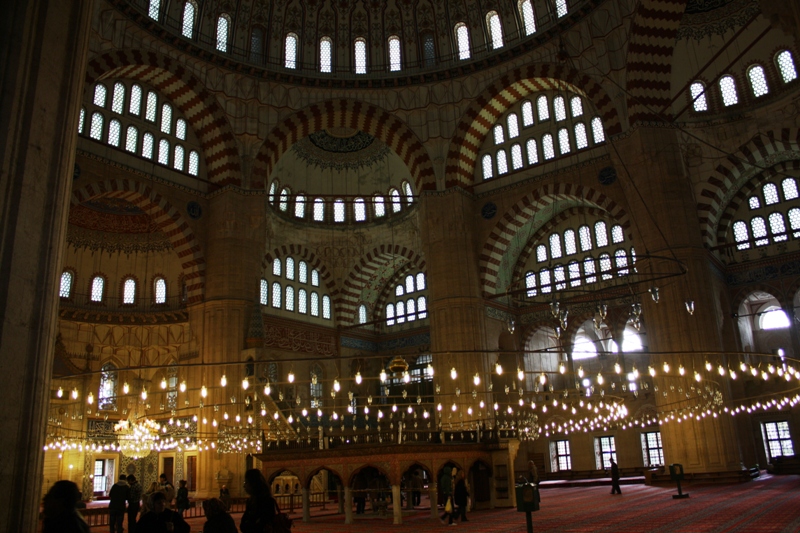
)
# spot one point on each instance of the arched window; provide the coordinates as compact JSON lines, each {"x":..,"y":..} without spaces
{"x":325,"y":55}
{"x":394,"y":54}
{"x":132,"y":139}
{"x":180,"y":129}
{"x":378,"y":206}
{"x":273,"y":188}
{"x":135,"y":105}
{"x":96,"y":129}
{"x":302,"y":271}
{"x":276,"y":267}
{"x":179,"y":158}
{"x":499,"y":137}
{"x":758,"y":80}
{"x":289,"y":298}
{"x":107,"y":396}
{"x":495,"y":29}
{"x":759,"y":227}
{"x":302,"y":301}
{"x":290,"y":268}
{"x":189,"y":12}
{"x":528,"y":18}
{"x":631,"y":341}
{"x":698,"y":92}
{"x":421,"y":281}
{"x":617,"y":235}
{"x":114,"y":128}
{"x":359,"y":210}
{"x":65,"y":289}
{"x":589,"y":269}
{"x":408,"y":192}
{"x":547,"y":146}
{"x":621,"y":260}
{"x":574,"y":270}
{"x":581,"y":140}
{"x":794,"y":221}
{"x":163,"y":152}
{"x":774,"y":318}
{"x":727,"y":86}
{"x":409,"y":284}
{"x":605,"y":266}
{"x":129,"y":291}
{"x":118,"y":99}
{"x":326,"y":307}
{"x":98,"y":289}
{"x":160,"y":290}
{"x":428,"y":49}
{"x":527,"y":113}
{"x":390,"y":314}
{"x":533,"y":151}
{"x":319,"y":209}
{"x":530,"y":284}
{"x":290,"y":51}
{"x":256,"y":44}
{"x":789,"y":186}
{"x":541,"y":253}
{"x":276,"y":295}
{"x":362,"y":314}
{"x":411,"y":310}
{"x":563,"y":141}
{"x":561,"y":8}
{"x":166,"y":119}
{"x":598,"y":135}
{"x":300,"y":206}
{"x":559,"y":108}
{"x":400,"y":308}
{"x":576,"y":106}
{"x":150,"y":107}
{"x":396,"y":204}
{"x":422,"y":308}
{"x":542,"y":108}
{"x":555,"y":246}
{"x":786,"y":66}
{"x":570,"y":247}
{"x":462,"y":40}
{"x":502,"y":162}
{"x":600,"y":234}
{"x":194,"y":163}
{"x":513,"y":126}
{"x":148,"y":142}
{"x":315,"y":278}
{"x":223,"y":31}
{"x":283,"y":203}
{"x":338,"y":210}
{"x":544,"y":281}
{"x":770,"y":191}
{"x":314,"y":304}
{"x":153,"y":9}
{"x":585,"y":237}
{"x":100,"y":94}
{"x":360,"y":51}
{"x":81,"y":121}
{"x":741,"y":235}
{"x":777,"y":227}
{"x":516,"y":157}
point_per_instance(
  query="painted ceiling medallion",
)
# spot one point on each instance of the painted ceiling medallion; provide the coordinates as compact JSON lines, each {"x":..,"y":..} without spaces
{"x":340,"y":149}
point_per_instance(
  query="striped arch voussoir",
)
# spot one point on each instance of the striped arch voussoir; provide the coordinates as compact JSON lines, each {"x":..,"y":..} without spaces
{"x":348,"y":114}
{"x":504,"y":93}
{"x":166,"y":217}
{"x":300,"y":253}
{"x":363,"y":274}
{"x":735,"y":173}
{"x":649,"y":62}
{"x":185,"y":91}
{"x":499,"y":240}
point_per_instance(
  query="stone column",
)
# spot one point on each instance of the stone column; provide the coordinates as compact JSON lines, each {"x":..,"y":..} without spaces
{"x":348,"y":505}
{"x":43,"y":57}
{"x":433,"y":494}
{"x":339,"y":499}
{"x":397,"y":505}
{"x":306,"y":505}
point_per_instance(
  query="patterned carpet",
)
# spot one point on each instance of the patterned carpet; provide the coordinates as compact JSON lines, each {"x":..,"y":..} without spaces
{"x":765,"y":505}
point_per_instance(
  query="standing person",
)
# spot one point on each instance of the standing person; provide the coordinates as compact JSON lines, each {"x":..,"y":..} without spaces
{"x":461,"y":496}
{"x":446,"y":486}
{"x":225,"y":497}
{"x":261,"y":506}
{"x":134,"y":502}
{"x":182,"y":500}
{"x":416,"y":489}
{"x":161,"y":519}
{"x":359,"y":493}
{"x":167,"y":488}
{"x":217,"y":518}
{"x":615,"y":478}
{"x":147,"y":497}
{"x":533,"y":473}
{"x":117,"y":499}
{"x":60,"y":509}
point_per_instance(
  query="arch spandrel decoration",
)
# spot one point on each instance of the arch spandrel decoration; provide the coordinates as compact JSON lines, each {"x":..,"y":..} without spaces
{"x":487,"y":108}
{"x":166,"y":217}
{"x":354,"y":115}
{"x":185,"y":91}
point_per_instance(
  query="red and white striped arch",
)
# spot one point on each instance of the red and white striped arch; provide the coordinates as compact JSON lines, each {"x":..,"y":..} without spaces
{"x":487,"y":108}
{"x":184,"y":90}
{"x":165,"y":216}
{"x":351,"y":114}
{"x":499,"y":240}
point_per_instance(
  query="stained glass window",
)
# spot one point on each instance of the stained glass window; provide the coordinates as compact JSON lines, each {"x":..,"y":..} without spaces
{"x":166,"y":118}
{"x":396,"y":204}
{"x":541,"y":253}
{"x":559,"y":108}
{"x":561,"y":8}
{"x":759,"y":228}
{"x":277,"y":267}
{"x":581,"y":140}
{"x":378,"y":206}
{"x":96,"y":129}
{"x":597,"y":130}
{"x":555,"y":246}
{"x":135,"y":105}
{"x":530,"y":284}
{"x":754,"y":202}
{"x":513,"y":126}
{"x":315,"y":277}
{"x":589,"y":269}
{"x":421,"y":281}
{"x":289,"y":298}
{"x":617,"y":235}
{"x":153,"y":9}
{"x":118,"y":99}
{"x":547,"y":146}
{"x":194,"y":163}
{"x":585,"y":236}
{"x":777,"y":226}
{"x":100,"y":93}
{"x":487,"y":167}
{"x":326,"y":307}
{"x":178,"y":158}
{"x":789,"y":186}
{"x":129,"y":291}
{"x":527,"y":113}
{"x":180,"y":129}
{"x":150,"y":107}
{"x":114,"y":128}
{"x":314,"y":304}
{"x":543,"y":108}
{"x":362,"y":314}
{"x":290,"y":268}
{"x":264,"y":292}
{"x":283,"y":203}
{"x":563,"y":141}
{"x":771,"y":194}
{"x":300,"y":206}
{"x":163,"y":152}
{"x":148,"y":143}
{"x":276,"y":295}
{"x":516,"y":157}
{"x":600,"y":234}
{"x":502,"y":162}
{"x":569,"y":242}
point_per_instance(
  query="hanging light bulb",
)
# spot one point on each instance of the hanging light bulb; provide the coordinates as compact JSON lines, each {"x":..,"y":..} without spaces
{"x":358,"y":378}
{"x":336,"y":386}
{"x":542,"y":378}
{"x":75,"y":394}
{"x":126,"y":388}
{"x":635,"y":372}
{"x":182,"y":386}
{"x":721,"y":370}
{"x":681,"y":370}
{"x":429,"y":369}
{"x":690,"y":306}
{"x":144,"y":394}
{"x":666,"y":367}
{"x":291,"y":376}
{"x":651,"y":371}
{"x":383,"y":376}
{"x":290,"y":419}
{"x":580,"y":371}
{"x":511,"y":325}
{"x":90,"y":399}
{"x":163,"y":383}
{"x":520,"y":374}
{"x":697,"y":377}
{"x":561,"y":368}
{"x":245,"y":383}
{"x":223,"y":381}
{"x":267,"y":389}
{"x":304,"y":411}
{"x":453,"y":373}
{"x":617,"y":368}
{"x":406,"y":377}
{"x":60,"y":392}
{"x":733,"y":374}
{"x":708,"y":366}
{"x":600,"y":379}
{"x":498,"y":368}
{"x":654,"y":293}
{"x":476,"y":379}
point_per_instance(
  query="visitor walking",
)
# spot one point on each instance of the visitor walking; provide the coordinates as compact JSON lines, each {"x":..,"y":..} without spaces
{"x":416,"y":488}
{"x":225,"y":497}
{"x":117,"y":500}
{"x":615,"y":478}
{"x":182,"y":500}
{"x":461,"y":496}
{"x":134,"y":502}
{"x":217,"y":518}
{"x":260,"y":508}
{"x":60,"y":509}
{"x":446,"y":487}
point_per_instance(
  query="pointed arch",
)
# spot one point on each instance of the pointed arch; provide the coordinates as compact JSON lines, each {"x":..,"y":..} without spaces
{"x":186,"y":92}
{"x":165,"y":216}
{"x":350,"y":114}
{"x":496,"y":99}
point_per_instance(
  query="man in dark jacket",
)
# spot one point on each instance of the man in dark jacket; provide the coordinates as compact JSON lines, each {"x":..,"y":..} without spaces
{"x":461,"y":496}
{"x":134,"y":502}
{"x":615,"y":478}
{"x":117,"y":498}
{"x":161,"y":519}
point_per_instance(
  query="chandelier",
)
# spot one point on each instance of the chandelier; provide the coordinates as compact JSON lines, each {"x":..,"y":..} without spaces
{"x":137,"y":439}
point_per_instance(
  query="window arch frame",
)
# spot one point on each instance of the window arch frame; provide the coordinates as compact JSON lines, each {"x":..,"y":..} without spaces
{"x":462,"y":41}
{"x":223,"y":43}
{"x":290,"y":57}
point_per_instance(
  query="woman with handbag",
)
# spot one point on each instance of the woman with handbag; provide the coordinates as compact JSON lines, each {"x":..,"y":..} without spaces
{"x":446,"y":486}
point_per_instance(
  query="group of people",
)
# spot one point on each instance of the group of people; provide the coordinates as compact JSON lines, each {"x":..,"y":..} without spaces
{"x":61,"y":515}
{"x":454,"y":490}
